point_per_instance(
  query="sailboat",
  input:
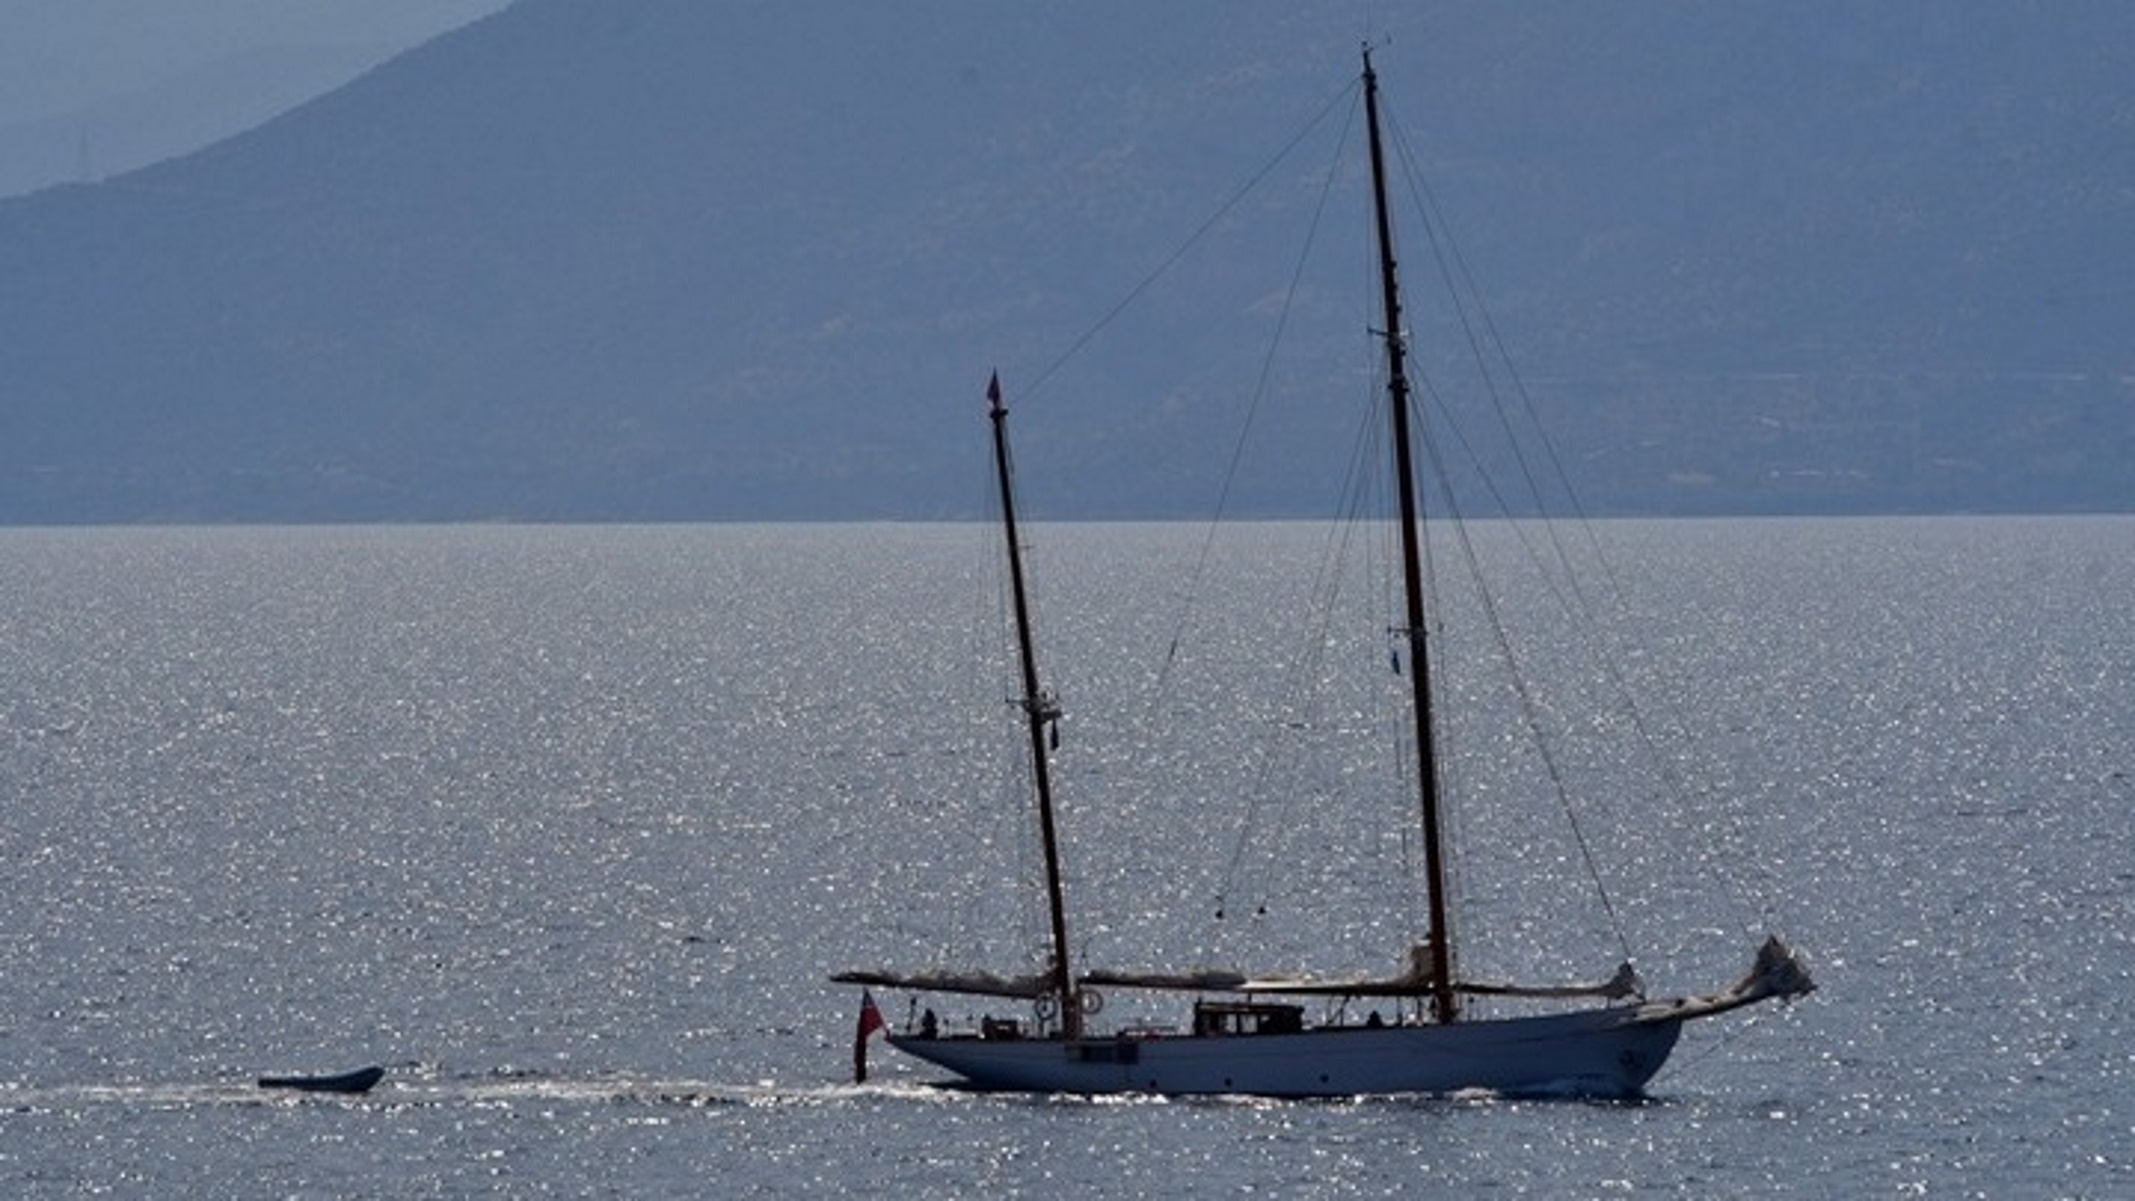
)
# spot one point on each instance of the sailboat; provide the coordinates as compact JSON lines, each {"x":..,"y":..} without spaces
{"x":1251,"y":1034}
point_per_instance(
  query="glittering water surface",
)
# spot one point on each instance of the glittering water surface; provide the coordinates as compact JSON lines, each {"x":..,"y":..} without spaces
{"x":567,"y":827}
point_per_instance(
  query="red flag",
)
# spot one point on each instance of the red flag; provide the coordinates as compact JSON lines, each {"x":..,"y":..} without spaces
{"x":870,"y":1021}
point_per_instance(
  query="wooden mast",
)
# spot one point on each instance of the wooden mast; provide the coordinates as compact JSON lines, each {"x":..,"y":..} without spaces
{"x":1444,"y":1006}
{"x":1040,"y":712}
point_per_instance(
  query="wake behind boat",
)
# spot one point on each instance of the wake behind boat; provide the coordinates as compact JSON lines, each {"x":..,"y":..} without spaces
{"x":1249,"y":1033}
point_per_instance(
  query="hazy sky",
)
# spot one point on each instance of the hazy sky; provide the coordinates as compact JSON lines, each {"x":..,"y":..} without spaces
{"x":56,"y":55}
{"x":132,"y":80}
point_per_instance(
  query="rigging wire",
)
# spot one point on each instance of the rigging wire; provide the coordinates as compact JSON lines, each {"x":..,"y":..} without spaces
{"x":1300,"y":681}
{"x":1485,"y":342}
{"x":1523,"y":693}
{"x":1237,"y":196}
{"x":1350,"y":92}
{"x":1529,"y":705}
{"x":1434,"y":451}
{"x":1259,"y":395}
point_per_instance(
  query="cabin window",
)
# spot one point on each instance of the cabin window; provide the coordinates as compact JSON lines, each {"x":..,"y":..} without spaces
{"x":1247,"y":1017}
{"x":1112,"y":1052}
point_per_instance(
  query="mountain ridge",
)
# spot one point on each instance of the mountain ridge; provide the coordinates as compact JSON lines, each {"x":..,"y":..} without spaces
{"x":665,"y":261}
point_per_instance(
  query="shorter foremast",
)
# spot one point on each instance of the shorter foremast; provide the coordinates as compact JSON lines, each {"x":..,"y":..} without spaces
{"x":1040,"y":711}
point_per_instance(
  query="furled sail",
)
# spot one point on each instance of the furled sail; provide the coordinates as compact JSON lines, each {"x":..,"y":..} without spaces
{"x":981,"y":984}
{"x":1207,"y":980}
{"x":1624,"y":985}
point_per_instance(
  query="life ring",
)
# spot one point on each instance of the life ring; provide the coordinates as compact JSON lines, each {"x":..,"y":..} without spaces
{"x":1046,"y":1007}
{"x":1090,"y":1002}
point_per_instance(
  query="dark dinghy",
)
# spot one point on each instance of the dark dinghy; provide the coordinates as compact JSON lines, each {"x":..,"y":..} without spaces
{"x":358,"y":1081}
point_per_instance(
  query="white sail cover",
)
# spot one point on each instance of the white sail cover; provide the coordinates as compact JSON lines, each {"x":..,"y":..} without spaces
{"x":1416,"y":981}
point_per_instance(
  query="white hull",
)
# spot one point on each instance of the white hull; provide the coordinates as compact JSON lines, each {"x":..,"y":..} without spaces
{"x":1604,"y":1052}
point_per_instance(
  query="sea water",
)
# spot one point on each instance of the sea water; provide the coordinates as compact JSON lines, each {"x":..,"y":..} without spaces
{"x":567,"y":827}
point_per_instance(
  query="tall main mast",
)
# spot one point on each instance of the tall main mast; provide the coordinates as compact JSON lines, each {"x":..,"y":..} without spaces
{"x":1444,"y":1005}
{"x":1039,"y":711}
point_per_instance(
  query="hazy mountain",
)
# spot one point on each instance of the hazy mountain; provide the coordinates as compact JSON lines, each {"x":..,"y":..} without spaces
{"x":91,"y":88}
{"x":667,"y":259}
{"x":124,"y":132}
